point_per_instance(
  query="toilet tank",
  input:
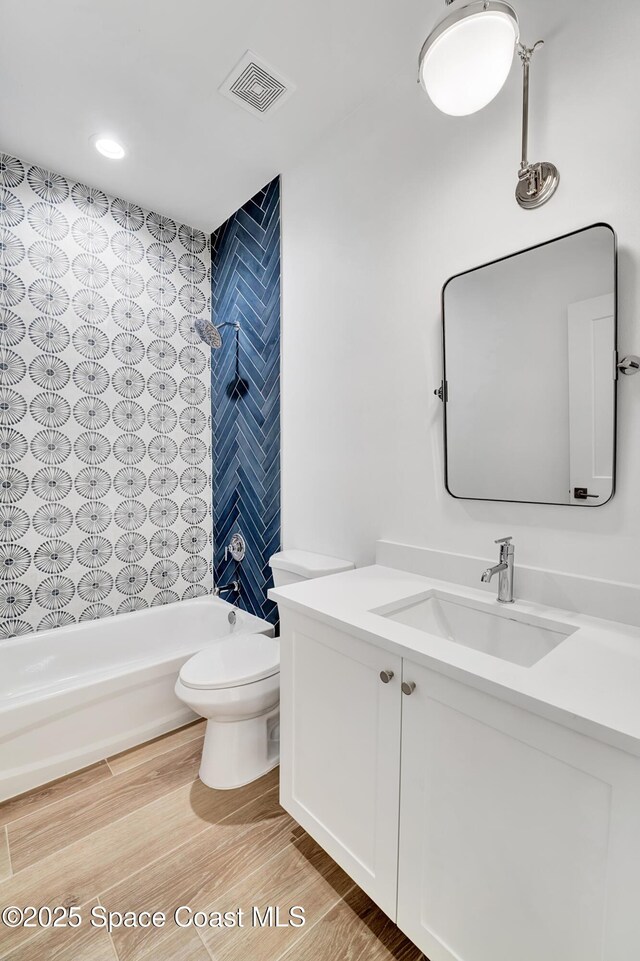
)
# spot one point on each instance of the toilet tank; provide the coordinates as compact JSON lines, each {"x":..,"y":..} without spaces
{"x":289,"y":567}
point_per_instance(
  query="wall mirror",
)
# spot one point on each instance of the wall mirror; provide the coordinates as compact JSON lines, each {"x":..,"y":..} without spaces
{"x":529,"y":385}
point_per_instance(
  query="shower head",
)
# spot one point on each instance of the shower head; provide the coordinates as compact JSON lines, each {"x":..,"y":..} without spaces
{"x":209,"y":334}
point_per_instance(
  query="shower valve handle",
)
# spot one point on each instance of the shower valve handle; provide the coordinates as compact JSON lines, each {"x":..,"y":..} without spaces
{"x":237,"y":548}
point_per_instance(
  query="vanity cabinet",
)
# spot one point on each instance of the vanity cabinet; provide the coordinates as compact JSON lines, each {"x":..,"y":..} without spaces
{"x":512,"y":832}
{"x":487,"y":832}
{"x":340,"y":763}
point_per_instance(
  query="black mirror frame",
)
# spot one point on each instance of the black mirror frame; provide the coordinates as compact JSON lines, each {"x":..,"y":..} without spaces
{"x":442,"y":391}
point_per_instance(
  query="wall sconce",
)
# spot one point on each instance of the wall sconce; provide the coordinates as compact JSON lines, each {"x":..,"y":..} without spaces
{"x":463,"y":65}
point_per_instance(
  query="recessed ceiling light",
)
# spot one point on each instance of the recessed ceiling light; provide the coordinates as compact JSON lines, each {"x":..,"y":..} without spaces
{"x":109,"y":148}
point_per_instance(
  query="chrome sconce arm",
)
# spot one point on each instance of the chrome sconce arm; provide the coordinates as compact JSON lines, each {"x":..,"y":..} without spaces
{"x":459,"y":88}
{"x":537,"y":182}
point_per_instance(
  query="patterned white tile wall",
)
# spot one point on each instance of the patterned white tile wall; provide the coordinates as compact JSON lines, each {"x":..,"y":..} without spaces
{"x":105,"y":433}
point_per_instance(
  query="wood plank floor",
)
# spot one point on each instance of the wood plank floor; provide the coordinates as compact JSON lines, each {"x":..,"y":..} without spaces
{"x":140,"y":832}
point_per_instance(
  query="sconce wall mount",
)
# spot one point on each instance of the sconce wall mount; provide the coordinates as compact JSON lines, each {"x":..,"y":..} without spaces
{"x":537,"y":182}
{"x":463,"y":65}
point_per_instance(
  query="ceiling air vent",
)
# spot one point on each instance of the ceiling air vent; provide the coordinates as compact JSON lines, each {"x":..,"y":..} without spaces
{"x":256,"y":86}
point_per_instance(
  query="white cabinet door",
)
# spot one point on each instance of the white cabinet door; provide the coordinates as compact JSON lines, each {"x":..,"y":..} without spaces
{"x":519,"y":839}
{"x":340,"y":749}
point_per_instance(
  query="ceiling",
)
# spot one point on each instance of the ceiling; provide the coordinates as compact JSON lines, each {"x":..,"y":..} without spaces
{"x":148,"y":72}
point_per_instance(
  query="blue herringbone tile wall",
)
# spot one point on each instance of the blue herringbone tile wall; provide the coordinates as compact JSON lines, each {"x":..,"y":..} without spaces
{"x":245,"y":394}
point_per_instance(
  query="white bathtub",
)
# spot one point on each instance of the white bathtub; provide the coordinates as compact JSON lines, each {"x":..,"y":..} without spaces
{"x":74,"y":695}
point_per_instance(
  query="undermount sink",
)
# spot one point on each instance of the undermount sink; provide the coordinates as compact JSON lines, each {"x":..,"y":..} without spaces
{"x":499,"y":633}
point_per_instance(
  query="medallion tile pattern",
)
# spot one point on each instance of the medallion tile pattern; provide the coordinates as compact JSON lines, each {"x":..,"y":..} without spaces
{"x":105,"y":432}
{"x":245,"y":394}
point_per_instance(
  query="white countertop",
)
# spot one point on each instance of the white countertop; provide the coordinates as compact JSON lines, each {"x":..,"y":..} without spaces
{"x":590,"y":682}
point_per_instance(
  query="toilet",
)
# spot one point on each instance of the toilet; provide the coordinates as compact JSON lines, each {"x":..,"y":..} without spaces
{"x":235,"y":685}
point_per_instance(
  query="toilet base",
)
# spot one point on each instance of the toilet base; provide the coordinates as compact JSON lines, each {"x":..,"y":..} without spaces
{"x":238,"y":752}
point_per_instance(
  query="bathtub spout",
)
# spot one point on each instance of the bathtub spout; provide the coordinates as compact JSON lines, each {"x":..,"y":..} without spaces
{"x":234,"y":587}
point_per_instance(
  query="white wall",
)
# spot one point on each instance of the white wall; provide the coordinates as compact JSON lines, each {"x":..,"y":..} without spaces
{"x":398,"y":199}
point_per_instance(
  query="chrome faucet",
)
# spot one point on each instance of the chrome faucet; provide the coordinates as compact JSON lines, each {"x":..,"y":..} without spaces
{"x":504,"y":569}
{"x":234,"y":587}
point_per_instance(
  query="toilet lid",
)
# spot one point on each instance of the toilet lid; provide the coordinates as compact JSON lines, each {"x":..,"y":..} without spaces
{"x":233,"y":661}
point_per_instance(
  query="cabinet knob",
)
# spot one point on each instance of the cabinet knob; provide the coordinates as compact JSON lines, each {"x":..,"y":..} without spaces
{"x":385,"y":676}
{"x":408,"y":687}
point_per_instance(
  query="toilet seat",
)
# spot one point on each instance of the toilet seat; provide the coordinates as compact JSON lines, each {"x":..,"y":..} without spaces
{"x":233,"y":662}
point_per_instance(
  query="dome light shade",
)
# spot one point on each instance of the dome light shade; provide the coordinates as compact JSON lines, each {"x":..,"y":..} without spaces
{"x":467,"y":57}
